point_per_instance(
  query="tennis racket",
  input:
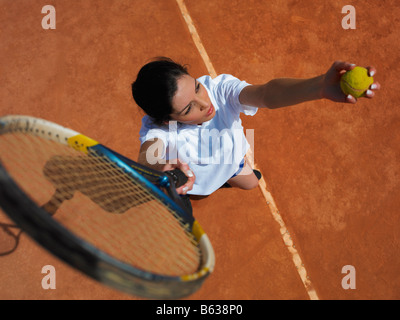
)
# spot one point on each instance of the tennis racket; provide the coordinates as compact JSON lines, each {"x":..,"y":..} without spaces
{"x":115,"y":220}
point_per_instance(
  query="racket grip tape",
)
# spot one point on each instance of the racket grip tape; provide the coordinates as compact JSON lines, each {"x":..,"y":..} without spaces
{"x":178,"y":177}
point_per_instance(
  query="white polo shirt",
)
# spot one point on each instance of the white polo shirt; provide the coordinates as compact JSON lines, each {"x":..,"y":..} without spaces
{"x":214,"y":149}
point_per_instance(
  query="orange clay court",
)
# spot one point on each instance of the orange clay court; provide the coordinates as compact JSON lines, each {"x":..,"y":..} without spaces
{"x":330,"y":197}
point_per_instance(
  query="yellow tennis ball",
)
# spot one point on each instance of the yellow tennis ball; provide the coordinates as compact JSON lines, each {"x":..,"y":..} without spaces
{"x":356,"y":82}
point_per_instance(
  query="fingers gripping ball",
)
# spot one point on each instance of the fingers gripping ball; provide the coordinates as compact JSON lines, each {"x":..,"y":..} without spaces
{"x":356,"y":82}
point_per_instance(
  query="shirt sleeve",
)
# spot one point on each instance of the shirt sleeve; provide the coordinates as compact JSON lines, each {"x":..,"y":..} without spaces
{"x":150,"y":131}
{"x":231,"y":88}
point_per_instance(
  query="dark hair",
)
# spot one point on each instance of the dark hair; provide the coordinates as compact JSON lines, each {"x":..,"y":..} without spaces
{"x":155,"y":86}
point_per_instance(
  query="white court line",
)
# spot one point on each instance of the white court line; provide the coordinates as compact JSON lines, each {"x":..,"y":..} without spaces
{"x":287,"y":239}
{"x":263,"y":186}
{"x":196,"y":38}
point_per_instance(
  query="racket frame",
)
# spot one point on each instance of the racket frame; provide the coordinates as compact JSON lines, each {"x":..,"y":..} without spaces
{"x":97,"y":264}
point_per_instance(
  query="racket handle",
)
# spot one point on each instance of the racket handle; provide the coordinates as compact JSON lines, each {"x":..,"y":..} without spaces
{"x":178,"y":177}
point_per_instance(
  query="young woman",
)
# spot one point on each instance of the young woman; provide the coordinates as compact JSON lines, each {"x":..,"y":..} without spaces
{"x":195,"y":125}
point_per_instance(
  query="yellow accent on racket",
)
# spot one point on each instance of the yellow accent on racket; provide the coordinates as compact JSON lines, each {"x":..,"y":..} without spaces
{"x":197,"y":230}
{"x":81,"y":142}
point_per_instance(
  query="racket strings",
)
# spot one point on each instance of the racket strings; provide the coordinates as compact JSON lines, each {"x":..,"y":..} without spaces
{"x":98,"y":180}
{"x":101,"y":204}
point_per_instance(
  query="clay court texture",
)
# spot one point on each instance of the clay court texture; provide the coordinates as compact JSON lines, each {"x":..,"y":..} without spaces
{"x":330,"y":194}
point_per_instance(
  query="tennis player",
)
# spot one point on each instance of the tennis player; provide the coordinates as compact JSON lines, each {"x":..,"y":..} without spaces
{"x":194,"y":124}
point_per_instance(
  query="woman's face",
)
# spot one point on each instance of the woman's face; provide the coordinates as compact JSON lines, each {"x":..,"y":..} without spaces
{"x":191,"y":103}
